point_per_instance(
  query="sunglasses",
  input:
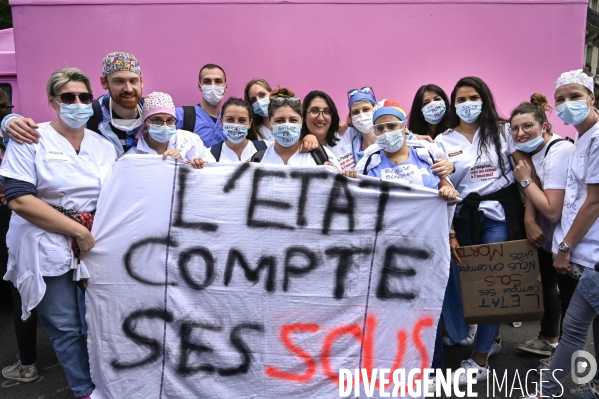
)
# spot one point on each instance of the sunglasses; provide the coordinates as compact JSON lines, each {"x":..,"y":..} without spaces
{"x":7,"y":106}
{"x":69,"y":98}
{"x":365,"y":89}
{"x":278,"y":101}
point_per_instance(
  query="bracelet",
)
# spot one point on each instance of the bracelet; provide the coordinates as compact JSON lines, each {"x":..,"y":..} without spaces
{"x":451,"y":231}
{"x":453,"y":236}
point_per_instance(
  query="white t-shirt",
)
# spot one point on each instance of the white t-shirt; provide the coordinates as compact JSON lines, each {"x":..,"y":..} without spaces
{"x":553,"y":168}
{"x":583,"y":169}
{"x":344,"y":148}
{"x":62,"y":178}
{"x":297,"y":159}
{"x":474,"y":174}
{"x":267,"y":133}
{"x":189,"y":145}
{"x":552,"y":171}
{"x":227,"y":155}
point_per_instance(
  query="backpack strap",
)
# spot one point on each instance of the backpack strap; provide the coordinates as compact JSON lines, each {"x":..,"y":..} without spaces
{"x":320,"y":155}
{"x":216,"y":149}
{"x":557,"y":141}
{"x":257,"y":157}
{"x":189,"y":118}
{"x":368,"y":161}
{"x":94,"y":122}
{"x":259,"y":144}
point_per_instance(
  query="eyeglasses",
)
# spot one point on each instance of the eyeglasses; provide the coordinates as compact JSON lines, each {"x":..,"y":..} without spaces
{"x":365,"y":89}
{"x":326,"y":113}
{"x":69,"y":98}
{"x":278,"y":101}
{"x":7,"y":106}
{"x":526,"y":128}
{"x":381,"y":128}
{"x":159,"y":122}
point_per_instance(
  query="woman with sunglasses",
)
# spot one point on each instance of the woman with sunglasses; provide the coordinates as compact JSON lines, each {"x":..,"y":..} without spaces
{"x":533,"y":135}
{"x":52,"y":186}
{"x":242,"y":142}
{"x":479,"y":145}
{"x":285,"y":115}
{"x":159,"y":134}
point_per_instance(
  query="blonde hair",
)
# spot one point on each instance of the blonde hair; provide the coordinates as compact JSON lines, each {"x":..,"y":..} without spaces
{"x":61,"y":77}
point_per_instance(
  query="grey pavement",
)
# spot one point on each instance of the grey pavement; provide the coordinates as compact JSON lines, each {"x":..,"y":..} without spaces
{"x":52,"y":383}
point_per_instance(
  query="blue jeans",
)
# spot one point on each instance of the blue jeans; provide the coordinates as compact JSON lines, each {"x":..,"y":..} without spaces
{"x":492,"y":231}
{"x":579,"y":317}
{"x":59,"y":313}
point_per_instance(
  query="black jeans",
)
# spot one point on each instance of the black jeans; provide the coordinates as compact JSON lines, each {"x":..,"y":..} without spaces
{"x":555,"y":303}
{"x":26,"y":331}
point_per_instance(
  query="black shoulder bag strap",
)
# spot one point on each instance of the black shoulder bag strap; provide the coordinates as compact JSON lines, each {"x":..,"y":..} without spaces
{"x":557,"y":141}
{"x":257,"y":157}
{"x":94,"y":122}
{"x":216,"y":150}
{"x":259,"y":144}
{"x":320,"y":155}
{"x":189,"y":118}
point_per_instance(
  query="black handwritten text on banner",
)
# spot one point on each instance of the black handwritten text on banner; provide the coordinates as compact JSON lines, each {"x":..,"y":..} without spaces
{"x":258,"y":281}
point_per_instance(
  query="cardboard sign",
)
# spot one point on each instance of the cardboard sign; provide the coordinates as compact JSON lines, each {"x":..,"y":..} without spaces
{"x":258,"y":281}
{"x":501,"y":283}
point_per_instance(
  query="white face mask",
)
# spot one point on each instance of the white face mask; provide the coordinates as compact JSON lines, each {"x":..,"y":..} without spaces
{"x":125,"y":124}
{"x":213,"y":94}
{"x":363,"y":121}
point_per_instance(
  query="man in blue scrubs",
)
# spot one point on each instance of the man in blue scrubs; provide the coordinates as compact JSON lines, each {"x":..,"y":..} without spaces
{"x":204,"y":118}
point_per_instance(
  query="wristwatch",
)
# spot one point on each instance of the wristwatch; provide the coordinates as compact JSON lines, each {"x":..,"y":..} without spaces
{"x":564,"y":247}
{"x":526,"y":183}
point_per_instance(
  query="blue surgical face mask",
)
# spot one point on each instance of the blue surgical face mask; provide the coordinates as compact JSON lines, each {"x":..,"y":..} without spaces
{"x":235,"y":133}
{"x":573,"y":112}
{"x":261,"y":106}
{"x":287,"y":134}
{"x":391,"y":141}
{"x":434,"y":111}
{"x":469,"y":111}
{"x":530,"y":145}
{"x":75,"y":115}
{"x":162,"y":134}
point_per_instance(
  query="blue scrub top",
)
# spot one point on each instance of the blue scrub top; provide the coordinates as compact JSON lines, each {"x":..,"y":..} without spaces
{"x":414,"y":170}
{"x":210,"y":132}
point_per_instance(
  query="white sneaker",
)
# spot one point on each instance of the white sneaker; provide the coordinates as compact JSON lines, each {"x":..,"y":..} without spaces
{"x":481,"y":372}
{"x":470,"y":338}
{"x":495,"y":348}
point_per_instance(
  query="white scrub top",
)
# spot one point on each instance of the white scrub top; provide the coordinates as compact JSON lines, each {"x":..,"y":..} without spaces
{"x":553,"y":172}
{"x":267,"y":133}
{"x":189,"y":145}
{"x":227,"y":155}
{"x":583,"y":169}
{"x":62,"y":178}
{"x":344,"y":148}
{"x":297,"y":159}
{"x":474,"y":174}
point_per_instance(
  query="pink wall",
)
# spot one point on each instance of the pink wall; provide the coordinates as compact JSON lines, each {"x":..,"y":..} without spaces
{"x":517,"y":47}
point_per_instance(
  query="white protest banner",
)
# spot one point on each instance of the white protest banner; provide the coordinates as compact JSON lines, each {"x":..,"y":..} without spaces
{"x":258,"y":281}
